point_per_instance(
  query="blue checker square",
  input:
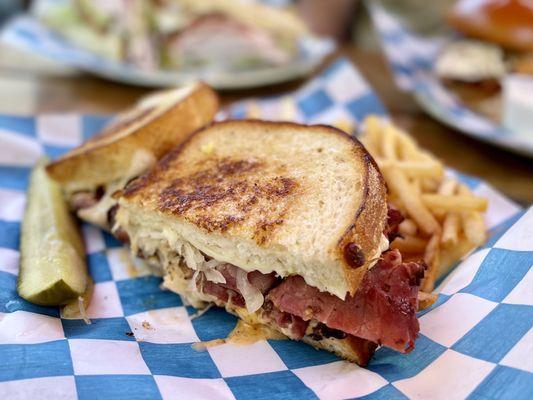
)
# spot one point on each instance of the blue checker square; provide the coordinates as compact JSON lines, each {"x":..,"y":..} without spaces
{"x":18,"y":124}
{"x":117,"y":387}
{"x":468,"y":180}
{"x":505,"y":383}
{"x":334,"y":68}
{"x":16,"y":178}
{"x":9,"y":234}
{"x":92,"y":124}
{"x":27,"y":36}
{"x":10,"y":301}
{"x":499,"y":273}
{"x":394,"y":366}
{"x":100,"y":328}
{"x":99,"y":267}
{"x":214,"y":324}
{"x":238,"y":113}
{"x":365,"y":105}
{"x":388,"y":392}
{"x":392,"y":36}
{"x":270,"y":386}
{"x":493,"y":337}
{"x":403,"y":70}
{"x":300,"y":355}
{"x":25,"y":361}
{"x":110,"y":241}
{"x":315,"y":103}
{"x":422,"y":62}
{"x":178,"y":360}
{"x":142,"y":294}
{"x":498,"y":231}
{"x":55,"y":151}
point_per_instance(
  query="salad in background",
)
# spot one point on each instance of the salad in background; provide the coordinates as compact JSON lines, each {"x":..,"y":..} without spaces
{"x":179,"y":34}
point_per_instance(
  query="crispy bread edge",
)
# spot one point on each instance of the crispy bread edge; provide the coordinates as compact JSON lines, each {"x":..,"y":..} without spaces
{"x":369,"y":223}
{"x":105,"y":163}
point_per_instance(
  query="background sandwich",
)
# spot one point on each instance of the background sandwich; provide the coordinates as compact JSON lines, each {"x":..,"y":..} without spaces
{"x":284,"y":225}
{"x":181,"y":34}
{"x":128,"y":147}
{"x":497,"y":43}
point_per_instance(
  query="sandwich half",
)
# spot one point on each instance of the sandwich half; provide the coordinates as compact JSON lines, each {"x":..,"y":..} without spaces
{"x":281,"y":224}
{"x":129,"y":146}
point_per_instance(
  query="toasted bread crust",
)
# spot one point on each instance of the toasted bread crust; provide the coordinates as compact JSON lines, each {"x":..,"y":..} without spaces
{"x":259,"y":200}
{"x":102,"y":160}
{"x":368,"y":224}
{"x":353,"y":349}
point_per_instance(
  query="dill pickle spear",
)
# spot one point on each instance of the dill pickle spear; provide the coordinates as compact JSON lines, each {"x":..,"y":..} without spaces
{"x":52,"y":257}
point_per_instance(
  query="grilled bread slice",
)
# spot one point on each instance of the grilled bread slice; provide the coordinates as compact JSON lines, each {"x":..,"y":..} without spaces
{"x":263,"y":201}
{"x":263,"y":196}
{"x":130,"y":145}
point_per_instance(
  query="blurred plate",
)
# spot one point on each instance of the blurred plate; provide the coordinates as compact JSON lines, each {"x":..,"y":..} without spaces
{"x":30,"y":35}
{"x":411,"y":58}
{"x":443,"y":105}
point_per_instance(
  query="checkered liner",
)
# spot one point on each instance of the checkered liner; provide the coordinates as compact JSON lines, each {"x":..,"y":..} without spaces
{"x":411,"y":57}
{"x":475,"y":342}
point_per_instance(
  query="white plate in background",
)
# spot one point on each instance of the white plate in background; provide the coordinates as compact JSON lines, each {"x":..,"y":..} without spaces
{"x":30,"y":35}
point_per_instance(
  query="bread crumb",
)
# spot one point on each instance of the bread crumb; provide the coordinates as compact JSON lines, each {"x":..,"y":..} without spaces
{"x":146,"y":325}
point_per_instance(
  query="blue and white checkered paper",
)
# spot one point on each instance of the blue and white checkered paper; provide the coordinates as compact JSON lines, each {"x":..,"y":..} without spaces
{"x":412,"y":57}
{"x":476,"y":342}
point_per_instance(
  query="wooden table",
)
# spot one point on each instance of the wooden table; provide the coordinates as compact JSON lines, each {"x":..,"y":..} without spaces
{"x":32,"y":85}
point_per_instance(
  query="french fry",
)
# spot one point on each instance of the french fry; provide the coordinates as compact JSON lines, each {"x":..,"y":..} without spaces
{"x":389,"y":143}
{"x":451,"y":221}
{"x":450,"y":229}
{"x":409,"y":244}
{"x":408,"y":227}
{"x":371,"y":137}
{"x":408,"y":148}
{"x":432,"y":259}
{"x":447,"y":187}
{"x":463,"y":189}
{"x":474,"y":227}
{"x":417,"y":186}
{"x":399,"y":184}
{"x":414,"y":169}
{"x":430,"y":185}
{"x":436,"y":206}
{"x":426,"y":300}
{"x":450,"y":256}
{"x":454,"y":202}
{"x":473,"y":222}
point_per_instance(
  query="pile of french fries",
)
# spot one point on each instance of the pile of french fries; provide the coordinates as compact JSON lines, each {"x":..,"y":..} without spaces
{"x":444,"y":220}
